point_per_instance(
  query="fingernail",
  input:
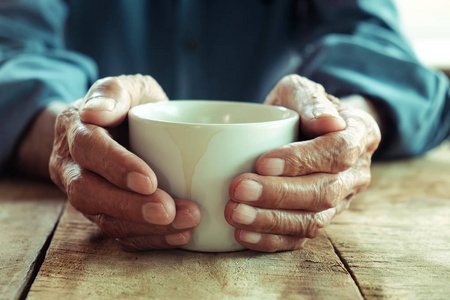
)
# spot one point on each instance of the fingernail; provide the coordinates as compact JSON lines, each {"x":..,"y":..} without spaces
{"x":176,"y":239}
{"x":323,"y":113}
{"x":244,"y":214}
{"x":155,"y":213}
{"x":271,"y":167}
{"x":139,"y":183}
{"x":183,"y":220}
{"x":99,"y":104}
{"x":250,"y":237}
{"x":248,"y":190}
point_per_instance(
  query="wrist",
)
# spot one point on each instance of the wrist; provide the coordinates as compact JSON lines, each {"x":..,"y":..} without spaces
{"x":35,"y":147}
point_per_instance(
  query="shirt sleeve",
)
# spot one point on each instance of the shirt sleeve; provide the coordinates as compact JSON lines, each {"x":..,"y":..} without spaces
{"x":356,"y":47}
{"x":35,"y":68}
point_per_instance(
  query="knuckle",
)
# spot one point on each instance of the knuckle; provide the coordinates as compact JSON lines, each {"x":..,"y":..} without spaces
{"x":73,"y":181}
{"x":281,"y":192}
{"x":296,"y":82}
{"x":364,"y":123}
{"x":77,"y":136}
{"x":112,"y":85}
{"x":291,"y":82}
{"x":288,"y":85}
{"x":61,"y":120}
{"x":82,"y":141}
{"x":63,"y":126}
{"x":330,"y":192}
{"x":273,"y":244}
{"x":291,"y":224}
{"x":111,"y":227}
{"x":64,"y":118}
{"x":144,"y":87}
{"x":109,"y":84}
{"x":316,"y":225}
{"x":346,"y":153}
{"x":291,"y":78}
{"x":133,"y":83}
{"x":75,"y":187}
{"x":147,"y":79}
{"x":273,"y":223}
{"x":292,"y":165}
{"x":282,"y":223}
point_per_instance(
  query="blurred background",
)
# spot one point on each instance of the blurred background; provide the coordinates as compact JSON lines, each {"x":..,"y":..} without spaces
{"x":426,"y":23}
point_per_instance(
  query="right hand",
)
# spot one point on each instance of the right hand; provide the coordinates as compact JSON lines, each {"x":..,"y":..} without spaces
{"x":110,"y":185}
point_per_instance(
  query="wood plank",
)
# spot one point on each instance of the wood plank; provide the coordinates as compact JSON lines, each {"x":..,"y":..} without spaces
{"x":396,"y":236}
{"x":83,"y":264}
{"x":29,"y":211}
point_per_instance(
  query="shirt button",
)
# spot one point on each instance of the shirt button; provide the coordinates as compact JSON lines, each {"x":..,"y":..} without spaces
{"x":190,"y":44}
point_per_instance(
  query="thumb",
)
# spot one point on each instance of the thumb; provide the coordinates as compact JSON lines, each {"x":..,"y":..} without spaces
{"x":321,"y":115}
{"x":318,"y":111}
{"x":109,"y":99}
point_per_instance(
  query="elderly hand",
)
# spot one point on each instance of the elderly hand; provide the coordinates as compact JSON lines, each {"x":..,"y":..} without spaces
{"x":108,"y":184}
{"x":300,"y":187}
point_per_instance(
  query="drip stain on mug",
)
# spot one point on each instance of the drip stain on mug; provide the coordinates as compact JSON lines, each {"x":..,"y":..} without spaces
{"x":192,"y":144}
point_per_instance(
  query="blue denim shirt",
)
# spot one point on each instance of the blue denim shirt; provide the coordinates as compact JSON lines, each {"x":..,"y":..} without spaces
{"x":206,"y":49}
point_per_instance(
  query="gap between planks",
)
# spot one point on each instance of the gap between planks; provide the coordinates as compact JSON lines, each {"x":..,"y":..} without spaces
{"x":40,"y":258}
{"x":346,"y":265}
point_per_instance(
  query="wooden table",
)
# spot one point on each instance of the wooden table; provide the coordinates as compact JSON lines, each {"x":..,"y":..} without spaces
{"x":394,"y":243}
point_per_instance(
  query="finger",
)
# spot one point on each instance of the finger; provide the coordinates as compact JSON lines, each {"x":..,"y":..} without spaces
{"x":95,"y":150}
{"x":272,"y":231}
{"x":300,"y":223}
{"x":317,"y":109}
{"x":93,"y":195}
{"x":109,"y":99}
{"x":154,"y":242}
{"x":331,"y":153}
{"x":268,"y":242}
{"x":187,"y":217}
{"x":315,"y":192}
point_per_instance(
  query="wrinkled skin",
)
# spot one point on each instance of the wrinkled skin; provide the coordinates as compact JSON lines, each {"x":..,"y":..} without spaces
{"x":108,"y":184}
{"x":293,"y":195}
{"x":298,"y":189}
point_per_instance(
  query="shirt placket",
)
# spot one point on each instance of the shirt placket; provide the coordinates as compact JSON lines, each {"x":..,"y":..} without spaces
{"x":188,"y":73}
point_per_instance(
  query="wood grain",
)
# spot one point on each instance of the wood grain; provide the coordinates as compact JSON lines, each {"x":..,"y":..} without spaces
{"x":28,"y":214}
{"x":396,"y":236}
{"x":83,"y":264}
{"x":394,"y":239}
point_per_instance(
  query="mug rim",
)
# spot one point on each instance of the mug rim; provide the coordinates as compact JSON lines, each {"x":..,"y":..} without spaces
{"x":291,"y":115}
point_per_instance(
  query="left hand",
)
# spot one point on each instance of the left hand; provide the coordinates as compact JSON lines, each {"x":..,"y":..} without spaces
{"x":300,"y":187}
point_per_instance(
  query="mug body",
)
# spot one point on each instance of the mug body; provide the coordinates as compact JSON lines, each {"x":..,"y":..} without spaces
{"x":196,"y":148}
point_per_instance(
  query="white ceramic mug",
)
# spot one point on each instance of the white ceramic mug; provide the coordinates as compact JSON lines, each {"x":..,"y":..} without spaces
{"x":196,"y":148}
